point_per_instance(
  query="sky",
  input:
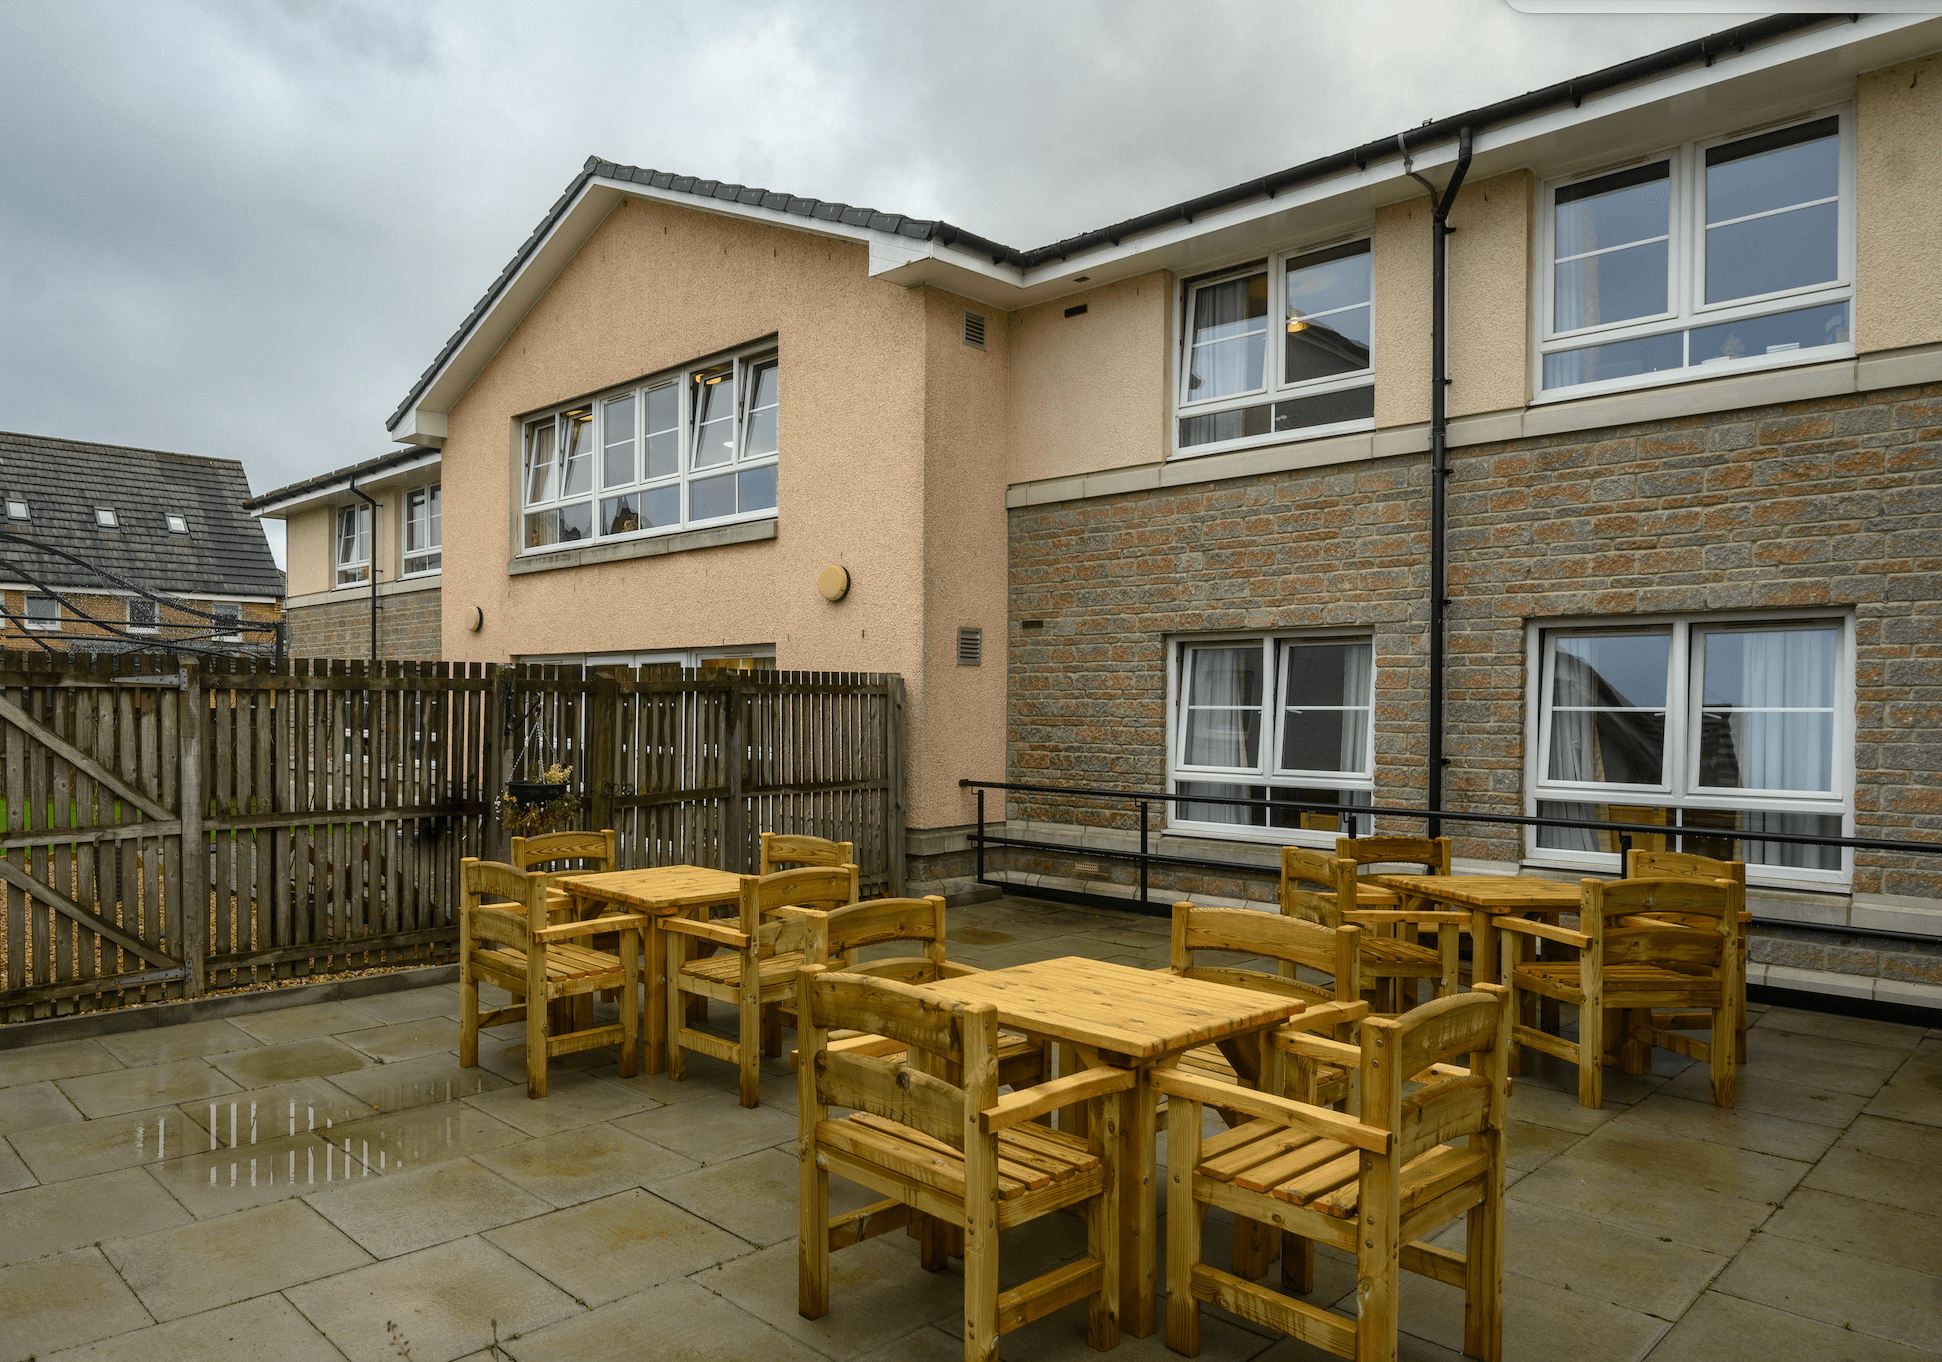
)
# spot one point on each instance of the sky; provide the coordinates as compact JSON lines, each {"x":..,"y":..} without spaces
{"x":244,"y":229}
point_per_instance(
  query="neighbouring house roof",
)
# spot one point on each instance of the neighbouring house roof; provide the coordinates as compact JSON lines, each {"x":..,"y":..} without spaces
{"x":966,"y":261}
{"x":325,"y":485}
{"x":63,"y":482}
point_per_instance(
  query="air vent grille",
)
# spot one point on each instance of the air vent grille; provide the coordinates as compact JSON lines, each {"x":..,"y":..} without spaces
{"x":970,"y":647}
{"x":974,"y":329}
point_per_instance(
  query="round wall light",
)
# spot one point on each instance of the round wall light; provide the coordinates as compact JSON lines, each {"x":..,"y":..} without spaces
{"x":478,"y":619}
{"x":834,"y":582}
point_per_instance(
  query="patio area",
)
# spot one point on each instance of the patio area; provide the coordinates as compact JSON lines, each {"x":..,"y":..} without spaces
{"x":286,"y":1183}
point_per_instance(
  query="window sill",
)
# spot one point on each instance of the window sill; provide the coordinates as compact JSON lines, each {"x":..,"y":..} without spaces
{"x":740,"y":532}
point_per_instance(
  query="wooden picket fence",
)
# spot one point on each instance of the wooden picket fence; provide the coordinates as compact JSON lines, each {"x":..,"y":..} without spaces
{"x":332,"y":802}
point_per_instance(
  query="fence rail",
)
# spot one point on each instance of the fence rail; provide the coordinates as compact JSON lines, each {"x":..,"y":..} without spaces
{"x":177,"y":825}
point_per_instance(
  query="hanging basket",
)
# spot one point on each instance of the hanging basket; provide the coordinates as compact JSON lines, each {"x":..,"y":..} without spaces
{"x":527,"y":793}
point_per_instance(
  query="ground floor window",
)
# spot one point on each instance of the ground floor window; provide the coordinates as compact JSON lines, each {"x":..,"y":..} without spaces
{"x":1287,"y":718}
{"x":748,"y":657}
{"x":1712,"y":727}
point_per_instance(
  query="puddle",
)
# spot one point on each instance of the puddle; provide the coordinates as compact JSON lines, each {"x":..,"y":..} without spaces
{"x":978,"y":936}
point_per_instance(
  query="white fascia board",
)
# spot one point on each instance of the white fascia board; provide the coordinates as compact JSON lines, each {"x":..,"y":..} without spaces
{"x":327,"y":493}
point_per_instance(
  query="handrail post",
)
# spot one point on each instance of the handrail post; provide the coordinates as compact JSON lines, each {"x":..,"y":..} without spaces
{"x":1143,"y":812}
{"x":980,"y":843}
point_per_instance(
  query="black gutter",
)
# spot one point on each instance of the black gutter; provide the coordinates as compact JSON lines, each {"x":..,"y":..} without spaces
{"x":1573,"y":92}
{"x":1440,"y":463}
{"x":371,"y":567}
{"x":324,"y":481}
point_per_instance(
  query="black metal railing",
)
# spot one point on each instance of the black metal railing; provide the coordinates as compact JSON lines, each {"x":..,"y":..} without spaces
{"x":1432,"y":819}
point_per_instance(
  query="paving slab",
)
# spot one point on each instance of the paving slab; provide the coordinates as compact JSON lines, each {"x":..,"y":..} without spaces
{"x":32,"y":1105}
{"x":1541,"y":1320}
{"x":301,"y":1023}
{"x":410,"y":1004}
{"x":1684,"y":1213}
{"x":1818,"y":1061}
{"x":1699,"y":1163}
{"x":1771,"y":1097}
{"x":400,"y":1213}
{"x":67,"y":1215}
{"x":184,"y":1040}
{"x":1868,"y":1229}
{"x":153,"y":1085}
{"x":79,"y":1149}
{"x":303,"y":1105}
{"x":63,"y":1300}
{"x":877,"y":1294}
{"x":443,"y":1299}
{"x":289,"y":1061}
{"x":1862,"y":1030}
{"x":1875,"y":1298}
{"x":755,"y":1196}
{"x":584,"y":1164}
{"x":1681,"y":1118}
{"x":1905,"y":1140}
{"x":212,"y":1183}
{"x":713,"y":1128}
{"x":213,"y":1263}
{"x":406,"y":1039}
{"x":1719,"y":1327}
{"x":14,"y":1174}
{"x":1869,"y":1177}
{"x":421,"y":1135}
{"x":674,"y":1320}
{"x":420,"y":1082}
{"x":1909,"y":1101}
{"x":267,"y":1329}
{"x":65,"y":1059}
{"x":572,"y":1099}
{"x":1529,"y":1145}
{"x":602,"y":1250}
{"x":502,"y":1051}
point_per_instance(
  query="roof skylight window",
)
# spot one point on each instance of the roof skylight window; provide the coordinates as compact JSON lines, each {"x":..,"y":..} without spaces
{"x":17,"y":510}
{"x":106,"y":518}
{"x":178,"y":524}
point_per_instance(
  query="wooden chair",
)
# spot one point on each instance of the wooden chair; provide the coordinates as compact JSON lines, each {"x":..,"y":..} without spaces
{"x":1644,"y":864}
{"x":1375,"y":1186}
{"x":545,"y":852}
{"x":841,"y":933}
{"x":1641,"y":841}
{"x":944,"y":1144}
{"x":510,"y":942}
{"x":764,"y":951}
{"x":1631,"y":959}
{"x":781,"y":850}
{"x":1385,"y":959}
{"x":1431,"y":853}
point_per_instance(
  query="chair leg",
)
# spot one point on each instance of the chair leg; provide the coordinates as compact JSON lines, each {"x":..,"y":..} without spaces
{"x":772,"y":1031}
{"x":1719,"y":1051}
{"x":812,"y":1233}
{"x":677,"y":1003}
{"x":1254,"y":1246}
{"x":630,"y":1008}
{"x":1102,"y":1239}
{"x":536,"y":1009}
{"x":1483,"y":1285}
{"x":468,"y":1017}
{"x":749,"y":1044}
{"x":1297,"y":1263}
{"x":1183,"y":1226}
{"x":1591,"y":1054}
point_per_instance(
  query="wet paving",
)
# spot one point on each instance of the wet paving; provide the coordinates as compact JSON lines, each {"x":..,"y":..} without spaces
{"x":287,"y":1183}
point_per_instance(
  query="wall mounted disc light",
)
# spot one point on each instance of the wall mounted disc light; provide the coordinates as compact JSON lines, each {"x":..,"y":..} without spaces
{"x":834,"y":582}
{"x":478,"y":619}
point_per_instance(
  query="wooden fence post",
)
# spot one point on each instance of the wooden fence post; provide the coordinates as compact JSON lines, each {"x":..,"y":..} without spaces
{"x":735,"y":768}
{"x":193,"y":902}
{"x":492,"y":766}
{"x":895,"y":805}
{"x":602,"y":725}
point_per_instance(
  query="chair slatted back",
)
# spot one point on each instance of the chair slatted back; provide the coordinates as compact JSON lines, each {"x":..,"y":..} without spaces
{"x":500,"y":903}
{"x":1322,"y":905}
{"x":846,"y":930}
{"x":962,"y":1037}
{"x":1701,"y":922}
{"x":1476,"y":1025}
{"x":817,"y":887}
{"x":781,"y":849}
{"x":1681,"y":865}
{"x":548,"y":850}
{"x":1291,"y":941}
{"x":1432,"y":853}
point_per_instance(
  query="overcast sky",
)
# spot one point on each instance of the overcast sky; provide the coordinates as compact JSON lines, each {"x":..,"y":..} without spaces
{"x":243,"y":229}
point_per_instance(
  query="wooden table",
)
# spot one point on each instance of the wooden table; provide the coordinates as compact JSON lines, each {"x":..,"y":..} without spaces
{"x":1128,"y":1018}
{"x":1488,"y":896}
{"x":660,"y":891}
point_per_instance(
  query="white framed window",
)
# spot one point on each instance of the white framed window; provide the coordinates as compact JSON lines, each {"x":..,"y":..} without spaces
{"x":17,"y":509}
{"x":1277,"y":348}
{"x":750,"y":657}
{"x":178,"y":524}
{"x":226,"y":614}
{"x":106,"y":518}
{"x":1723,"y":255}
{"x":696,"y":446}
{"x":43,"y":613}
{"x":1274,"y":717}
{"x":144,"y":616}
{"x":422,"y":544}
{"x":353,"y":551}
{"x":1705,"y":725}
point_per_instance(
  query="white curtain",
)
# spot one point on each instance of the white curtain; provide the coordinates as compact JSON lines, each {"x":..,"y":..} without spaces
{"x":1790,"y":669}
{"x":1356,"y":666}
{"x":1224,"y":708}
{"x":1230,"y":340}
{"x":1574,"y":745}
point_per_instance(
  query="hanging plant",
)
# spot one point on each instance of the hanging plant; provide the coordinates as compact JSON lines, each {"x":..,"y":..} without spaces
{"x":530,"y":807}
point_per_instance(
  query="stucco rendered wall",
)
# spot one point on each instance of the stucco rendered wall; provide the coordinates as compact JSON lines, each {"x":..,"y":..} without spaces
{"x":307,"y":551}
{"x":1092,"y":392}
{"x":1898,"y":184}
{"x":1490,"y":289}
{"x":659,"y":286}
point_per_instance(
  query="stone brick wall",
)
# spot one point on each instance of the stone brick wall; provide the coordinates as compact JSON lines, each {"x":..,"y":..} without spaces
{"x":408,"y":627}
{"x":1832,"y":502}
{"x":75,"y":633}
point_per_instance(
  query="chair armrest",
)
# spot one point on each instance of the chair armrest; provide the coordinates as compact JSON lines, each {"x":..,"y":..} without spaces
{"x":1543,"y":929}
{"x":1328,"y":1014}
{"x":1317,"y":1047}
{"x":1018,"y":1107}
{"x":707,"y":931}
{"x":950,"y":969}
{"x":1403,"y":915}
{"x":1321,"y":1121}
{"x":617,"y":922}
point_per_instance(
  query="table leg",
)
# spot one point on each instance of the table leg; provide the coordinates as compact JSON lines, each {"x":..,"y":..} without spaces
{"x":654,"y":1034}
{"x":1138,"y":1219}
{"x":1483,"y":949}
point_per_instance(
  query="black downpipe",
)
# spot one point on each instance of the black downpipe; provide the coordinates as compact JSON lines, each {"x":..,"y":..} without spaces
{"x":365,"y":497}
{"x":1439,"y":462}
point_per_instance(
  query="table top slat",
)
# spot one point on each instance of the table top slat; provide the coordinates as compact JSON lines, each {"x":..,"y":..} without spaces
{"x":1491,"y":893}
{"x":657,"y":889}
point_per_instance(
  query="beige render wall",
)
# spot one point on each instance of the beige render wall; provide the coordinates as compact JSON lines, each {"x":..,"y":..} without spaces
{"x":307,"y":551}
{"x":658,"y":286}
{"x":1092,"y":392}
{"x":1490,"y":290}
{"x":965,"y":561}
{"x":1898,"y":184}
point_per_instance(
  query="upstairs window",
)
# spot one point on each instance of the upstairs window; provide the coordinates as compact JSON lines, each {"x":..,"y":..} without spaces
{"x":226,"y":618}
{"x":1277,"y":348}
{"x":422,"y":531}
{"x":1732,"y":253}
{"x":44,"y":613}
{"x":353,"y":545}
{"x":144,"y":616}
{"x":694,"y":447}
